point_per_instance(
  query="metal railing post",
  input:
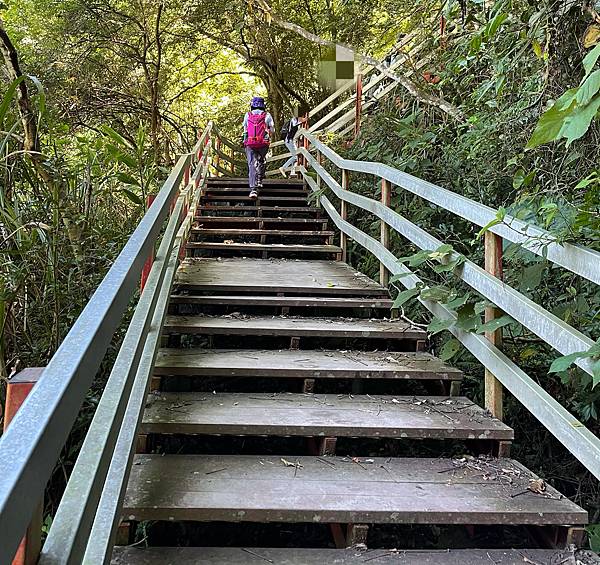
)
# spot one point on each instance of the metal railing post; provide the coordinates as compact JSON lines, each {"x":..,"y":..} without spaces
{"x":320,"y":161}
{"x":386,"y":197}
{"x":217,"y":156}
{"x":305,"y":142}
{"x":358,"y":109}
{"x":493,"y":265}
{"x":344,"y":215}
{"x":17,"y":390}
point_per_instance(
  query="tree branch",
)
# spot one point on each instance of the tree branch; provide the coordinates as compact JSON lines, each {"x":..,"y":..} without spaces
{"x":409,"y":85}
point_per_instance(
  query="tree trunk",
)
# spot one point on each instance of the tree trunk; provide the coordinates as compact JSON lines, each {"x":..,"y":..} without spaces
{"x":11,"y":60}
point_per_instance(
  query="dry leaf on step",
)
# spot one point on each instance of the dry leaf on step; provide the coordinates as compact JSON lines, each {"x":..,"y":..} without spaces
{"x":591,"y":36}
{"x":290,"y":464}
{"x":537,"y":485}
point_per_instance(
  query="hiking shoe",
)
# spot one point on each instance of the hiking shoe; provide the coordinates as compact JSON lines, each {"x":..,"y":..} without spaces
{"x":253,"y":194}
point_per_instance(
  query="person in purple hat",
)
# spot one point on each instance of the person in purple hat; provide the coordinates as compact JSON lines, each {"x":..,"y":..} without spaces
{"x":258,"y":130}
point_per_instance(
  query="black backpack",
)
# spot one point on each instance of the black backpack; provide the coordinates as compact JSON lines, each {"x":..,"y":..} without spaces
{"x":285,"y":130}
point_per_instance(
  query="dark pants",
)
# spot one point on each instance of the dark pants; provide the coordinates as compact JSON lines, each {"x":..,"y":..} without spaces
{"x":257,"y":165}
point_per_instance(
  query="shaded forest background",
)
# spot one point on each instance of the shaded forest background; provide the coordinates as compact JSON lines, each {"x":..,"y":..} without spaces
{"x":117,"y":88}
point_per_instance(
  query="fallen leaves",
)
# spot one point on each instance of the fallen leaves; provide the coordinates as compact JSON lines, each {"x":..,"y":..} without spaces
{"x":537,"y":485}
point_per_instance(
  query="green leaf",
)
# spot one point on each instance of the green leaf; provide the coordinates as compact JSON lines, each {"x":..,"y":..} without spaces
{"x":435,"y":293}
{"x":595,"y":373}
{"x":495,"y":23}
{"x":457,"y":302}
{"x":494,"y":324}
{"x":467,"y":319}
{"x":577,"y":124}
{"x":566,"y":118}
{"x":500,"y":215}
{"x":132,"y":196}
{"x":549,"y":126}
{"x":405,"y":296}
{"x":590,"y":59}
{"x":121,"y":157}
{"x":588,"y":89}
{"x":449,"y":350}
{"x":438,"y":325}
{"x":417,"y":259}
{"x":450,"y":265}
{"x":116,"y":136}
{"x":127,"y":179}
{"x":537,"y":48}
{"x":8,"y":96}
{"x":475,"y":44}
{"x":41,"y":93}
{"x":564,"y":362}
{"x":518,"y":178}
{"x":399,"y":276}
{"x":593,"y":531}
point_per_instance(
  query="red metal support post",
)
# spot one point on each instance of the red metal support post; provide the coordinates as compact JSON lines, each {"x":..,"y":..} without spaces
{"x":17,"y":391}
{"x":358,"y":111}
{"x":305,"y":143}
{"x":217,"y":156}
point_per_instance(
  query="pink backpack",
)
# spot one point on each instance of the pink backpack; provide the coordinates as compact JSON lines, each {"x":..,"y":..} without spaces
{"x":257,"y":131}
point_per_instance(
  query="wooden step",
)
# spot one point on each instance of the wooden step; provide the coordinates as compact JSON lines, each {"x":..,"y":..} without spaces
{"x":320,"y":364}
{"x":243,"y":190}
{"x":276,"y":275}
{"x":251,"y":488}
{"x":262,"y":209}
{"x":253,"y":247}
{"x":350,"y":556}
{"x":251,"y":220}
{"x":293,"y":327}
{"x":282,"y":301}
{"x":325,"y":415}
{"x":258,"y":232}
{"x":261,"y":198}
{"x":243,"y":181}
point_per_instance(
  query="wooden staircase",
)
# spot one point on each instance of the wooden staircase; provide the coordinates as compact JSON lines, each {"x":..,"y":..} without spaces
{"x":271,"y":337}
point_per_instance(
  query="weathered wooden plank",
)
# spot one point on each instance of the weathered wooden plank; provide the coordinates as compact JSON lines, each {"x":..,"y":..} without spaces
{"x":229,"y":181}
{"x":243,"y":190}
{"x":293,"y":326}
{"x":261,"y":198}
{"x":279,"y":247}
{"x":301,"y":556}
{"x":303,"y":364}
{"x":288,"y":414}
{"x":248,"y":219}
{"x":289,"y":301}
{"x":276,"y":275}
{"x":268,"y":209}
{"x":254,"y":488}
{"x":249,"y":232}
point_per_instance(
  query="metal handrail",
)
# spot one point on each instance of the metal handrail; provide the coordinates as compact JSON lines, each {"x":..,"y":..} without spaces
{"x":102,"y":537}
{"x":32,"y":443}
{"x":554,"y":331}
{"x":579,"y":260}
{"x":579,"y":440}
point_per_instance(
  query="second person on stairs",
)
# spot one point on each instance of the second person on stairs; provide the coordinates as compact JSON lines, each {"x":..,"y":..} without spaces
{"x":258,"y":131}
